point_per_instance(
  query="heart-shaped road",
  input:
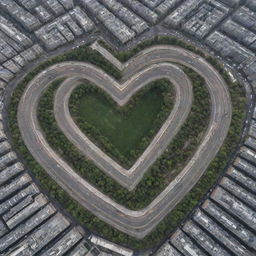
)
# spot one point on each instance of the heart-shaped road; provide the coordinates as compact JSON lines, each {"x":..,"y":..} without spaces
{"x":135,"y":223}
{"x":121,"y":94}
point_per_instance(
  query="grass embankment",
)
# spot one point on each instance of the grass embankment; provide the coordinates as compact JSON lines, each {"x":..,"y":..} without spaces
{"x":122,"y":132}
{"x":183,"y":208}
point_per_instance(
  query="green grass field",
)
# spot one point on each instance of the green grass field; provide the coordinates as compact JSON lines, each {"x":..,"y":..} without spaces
{"x":124,"y":130}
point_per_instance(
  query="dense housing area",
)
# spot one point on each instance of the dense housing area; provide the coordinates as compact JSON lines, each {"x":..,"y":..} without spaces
{"x":34,"y":31}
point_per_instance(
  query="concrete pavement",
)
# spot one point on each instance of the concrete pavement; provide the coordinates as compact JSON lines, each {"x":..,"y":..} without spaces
{"x":128,"y":178}
{"x":135,"y":223}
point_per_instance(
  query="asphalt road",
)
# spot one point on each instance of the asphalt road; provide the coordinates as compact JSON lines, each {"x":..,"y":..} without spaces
{"x":127,"y":178}
{"x":135,"y":223}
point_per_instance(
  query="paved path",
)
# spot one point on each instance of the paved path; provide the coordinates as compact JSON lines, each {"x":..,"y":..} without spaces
{"x":128,"y":178}
{"x":135,"y":223}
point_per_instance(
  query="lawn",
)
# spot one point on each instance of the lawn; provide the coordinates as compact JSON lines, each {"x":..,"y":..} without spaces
{"x":123,"y":129}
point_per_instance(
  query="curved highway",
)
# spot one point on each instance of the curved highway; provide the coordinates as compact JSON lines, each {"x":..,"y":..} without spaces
{"x":135,"y":223}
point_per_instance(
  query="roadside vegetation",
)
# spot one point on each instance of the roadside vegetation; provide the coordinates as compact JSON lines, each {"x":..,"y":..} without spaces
{"x":163,"y":170}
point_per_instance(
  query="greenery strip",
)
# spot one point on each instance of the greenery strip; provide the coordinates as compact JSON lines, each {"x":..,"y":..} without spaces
{"x":162,"y":172}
